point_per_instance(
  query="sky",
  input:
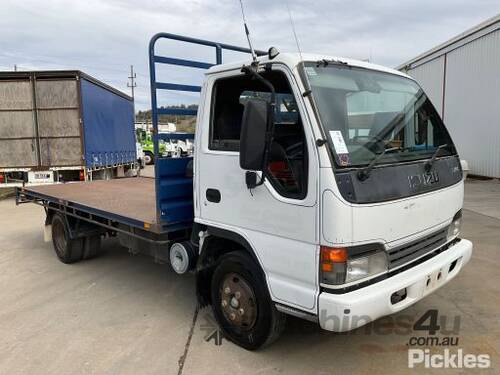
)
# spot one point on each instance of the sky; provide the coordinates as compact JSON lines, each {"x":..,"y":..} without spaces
{"x":103,"y":38}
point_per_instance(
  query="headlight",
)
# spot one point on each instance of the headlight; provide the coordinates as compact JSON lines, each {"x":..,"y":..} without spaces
{"x":364,"y":266}
{"x":340,"y":265}
{"x":455,"y":226}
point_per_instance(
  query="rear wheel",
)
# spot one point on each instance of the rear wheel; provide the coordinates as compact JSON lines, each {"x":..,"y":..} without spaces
{"x":68,"y":250}
{"x":241,"y":302}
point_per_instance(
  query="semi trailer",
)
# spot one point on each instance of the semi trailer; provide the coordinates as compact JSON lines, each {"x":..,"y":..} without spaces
{"x":320,"y":187}
{"x":58,"y":126}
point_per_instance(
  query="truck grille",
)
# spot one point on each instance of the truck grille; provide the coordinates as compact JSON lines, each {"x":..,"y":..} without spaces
{"x":410,"y":251}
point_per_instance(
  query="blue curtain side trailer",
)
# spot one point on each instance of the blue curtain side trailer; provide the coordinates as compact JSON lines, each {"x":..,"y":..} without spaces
{"x":62,"y":126}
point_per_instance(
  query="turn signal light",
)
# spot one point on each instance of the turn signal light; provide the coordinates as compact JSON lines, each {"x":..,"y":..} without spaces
{"x":326,"y":267}
{"x":333,"y":254}
{"x":333,"y":264}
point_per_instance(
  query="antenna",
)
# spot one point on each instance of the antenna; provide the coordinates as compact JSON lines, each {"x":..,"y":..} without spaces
{"x":293,"y":29}
{"x":247,"y":32}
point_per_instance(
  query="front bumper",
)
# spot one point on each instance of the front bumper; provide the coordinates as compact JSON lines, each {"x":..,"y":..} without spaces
{"x":344,"y":312}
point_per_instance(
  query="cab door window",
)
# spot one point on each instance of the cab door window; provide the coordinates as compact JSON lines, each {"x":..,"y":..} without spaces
{"x":287,"y":165}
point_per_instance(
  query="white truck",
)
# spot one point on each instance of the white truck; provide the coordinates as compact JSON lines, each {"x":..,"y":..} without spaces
{"x":323,"y":187}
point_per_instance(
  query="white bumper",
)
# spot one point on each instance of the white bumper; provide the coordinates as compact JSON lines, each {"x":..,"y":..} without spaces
{"x":344,"y":312}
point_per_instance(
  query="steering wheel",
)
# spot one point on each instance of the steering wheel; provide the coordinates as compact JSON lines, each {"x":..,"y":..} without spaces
{"x":373,"y":143}
{"x":295,"y":150}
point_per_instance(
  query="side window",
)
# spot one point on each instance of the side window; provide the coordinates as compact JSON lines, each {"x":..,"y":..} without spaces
{"x":287,"y":166}
{"x":227,"y":112}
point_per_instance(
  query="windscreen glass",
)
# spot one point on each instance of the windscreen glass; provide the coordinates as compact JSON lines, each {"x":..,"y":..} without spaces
{"x":366,"y":113}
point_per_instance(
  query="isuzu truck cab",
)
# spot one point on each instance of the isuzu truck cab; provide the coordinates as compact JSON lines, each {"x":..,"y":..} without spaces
{"x":322,"y":187}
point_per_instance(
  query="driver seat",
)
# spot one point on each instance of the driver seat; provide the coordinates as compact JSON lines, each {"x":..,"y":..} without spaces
{"x":281,"y":168}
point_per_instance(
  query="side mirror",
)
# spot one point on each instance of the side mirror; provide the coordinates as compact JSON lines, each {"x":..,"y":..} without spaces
{"x":253,"y":134}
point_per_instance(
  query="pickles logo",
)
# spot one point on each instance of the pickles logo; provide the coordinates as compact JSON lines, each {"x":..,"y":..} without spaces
{"x":451,"y":357}
{"x":447,"y":359}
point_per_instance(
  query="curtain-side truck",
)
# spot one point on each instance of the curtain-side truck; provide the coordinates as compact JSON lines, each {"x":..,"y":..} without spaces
{"x":320,"y":187}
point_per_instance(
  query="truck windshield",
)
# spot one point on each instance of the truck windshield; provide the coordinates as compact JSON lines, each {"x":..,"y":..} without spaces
{"x":365,"y":112}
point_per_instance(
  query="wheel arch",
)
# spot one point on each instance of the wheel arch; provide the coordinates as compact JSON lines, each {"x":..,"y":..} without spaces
{"x":218,"y":242}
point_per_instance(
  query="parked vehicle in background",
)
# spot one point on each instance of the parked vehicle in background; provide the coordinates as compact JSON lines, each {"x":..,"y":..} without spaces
{"x":321,"y":187}
{"x":168,"y":148}
{"x":185,"y":148}
{"x":140,"y":155}
{"x":63,"y":126}
{"x":145,"y":138}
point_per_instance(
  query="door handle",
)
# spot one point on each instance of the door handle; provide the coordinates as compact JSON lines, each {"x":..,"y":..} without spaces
{"x":213,"y":195}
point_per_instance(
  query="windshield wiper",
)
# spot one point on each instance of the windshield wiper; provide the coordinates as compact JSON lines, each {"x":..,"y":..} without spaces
{"x":364,"y":173}
{"x":430,"y":162}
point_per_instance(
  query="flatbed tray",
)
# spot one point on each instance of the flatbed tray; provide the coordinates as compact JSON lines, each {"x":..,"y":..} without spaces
{"x":130,"y":198}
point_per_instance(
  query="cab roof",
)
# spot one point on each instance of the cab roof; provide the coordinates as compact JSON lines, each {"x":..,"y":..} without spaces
{"x":293,"y":59}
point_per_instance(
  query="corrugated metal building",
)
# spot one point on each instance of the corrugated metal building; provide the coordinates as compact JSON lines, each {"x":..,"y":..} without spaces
{"x":462,"y":78}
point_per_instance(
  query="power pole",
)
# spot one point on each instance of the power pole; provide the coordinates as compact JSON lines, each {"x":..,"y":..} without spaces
{"x":15,"y":67}
{"x":132,"y":84}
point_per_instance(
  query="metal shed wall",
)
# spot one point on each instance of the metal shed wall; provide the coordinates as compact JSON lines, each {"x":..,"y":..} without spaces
{"x":430,"y":77}
{"x":463,"y":75}
{"x":472,"y":103}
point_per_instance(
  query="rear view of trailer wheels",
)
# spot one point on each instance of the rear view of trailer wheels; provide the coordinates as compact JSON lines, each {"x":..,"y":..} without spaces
{"x":71,"y":250}
{"x":241,"y":302}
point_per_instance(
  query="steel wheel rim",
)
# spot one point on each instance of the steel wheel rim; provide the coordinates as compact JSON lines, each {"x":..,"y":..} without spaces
{"x":237,"y":301}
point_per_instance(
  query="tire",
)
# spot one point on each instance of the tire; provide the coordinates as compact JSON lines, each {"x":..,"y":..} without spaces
{"x":259,"y":324}
{"x":149,"y":158}
{"x":67,"y":250}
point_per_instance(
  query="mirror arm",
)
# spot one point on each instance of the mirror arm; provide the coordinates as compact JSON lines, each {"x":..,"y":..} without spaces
{"x":252,"y":71}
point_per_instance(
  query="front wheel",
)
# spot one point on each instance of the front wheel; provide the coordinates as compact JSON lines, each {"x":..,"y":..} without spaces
{"x":241,"y":302}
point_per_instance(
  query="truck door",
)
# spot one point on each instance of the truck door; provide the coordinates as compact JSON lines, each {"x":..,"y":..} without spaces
{"x":18,"y":143}
{"x":58,"y":115}
{"x":278,"y":219}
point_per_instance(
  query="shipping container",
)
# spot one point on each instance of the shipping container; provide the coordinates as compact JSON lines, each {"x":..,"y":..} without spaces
{"x":63,"y":125}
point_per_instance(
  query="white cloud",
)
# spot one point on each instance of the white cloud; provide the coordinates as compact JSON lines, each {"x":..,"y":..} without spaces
{"x":103,"y":38}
